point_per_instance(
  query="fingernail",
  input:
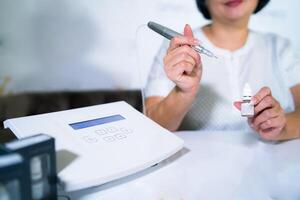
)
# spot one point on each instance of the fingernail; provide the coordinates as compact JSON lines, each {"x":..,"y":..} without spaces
{"x":196,"y":41}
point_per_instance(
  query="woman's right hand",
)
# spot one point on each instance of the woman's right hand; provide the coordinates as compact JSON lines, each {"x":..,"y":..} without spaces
{"x":182,"y":64}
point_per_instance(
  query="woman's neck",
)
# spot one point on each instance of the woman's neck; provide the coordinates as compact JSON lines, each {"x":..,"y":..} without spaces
{"x":225,"y":36}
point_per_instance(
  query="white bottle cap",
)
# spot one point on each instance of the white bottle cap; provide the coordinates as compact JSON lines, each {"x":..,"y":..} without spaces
{"x":247,"y":92}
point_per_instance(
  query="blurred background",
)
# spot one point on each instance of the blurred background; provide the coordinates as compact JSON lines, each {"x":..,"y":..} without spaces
{"x":61,"y":54}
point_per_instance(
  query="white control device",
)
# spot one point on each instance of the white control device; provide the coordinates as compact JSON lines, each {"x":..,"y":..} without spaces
{"x":107,"y":142}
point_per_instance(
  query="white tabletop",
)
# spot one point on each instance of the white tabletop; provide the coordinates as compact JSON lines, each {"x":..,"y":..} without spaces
{"x":213,"y":165}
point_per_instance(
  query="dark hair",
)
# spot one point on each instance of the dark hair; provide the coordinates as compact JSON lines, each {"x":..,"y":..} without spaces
{"x":205,"y":12}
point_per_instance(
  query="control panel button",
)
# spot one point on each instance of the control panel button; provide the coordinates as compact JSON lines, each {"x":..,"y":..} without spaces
{"x":111,"y":129}
{"x":126,"y":130}
{"x":101,"y":132}
{"x":109,"y":139}
{"x":120,"y":136}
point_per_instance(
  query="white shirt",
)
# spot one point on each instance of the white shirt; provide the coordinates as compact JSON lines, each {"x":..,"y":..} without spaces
{"x":265,"y":60}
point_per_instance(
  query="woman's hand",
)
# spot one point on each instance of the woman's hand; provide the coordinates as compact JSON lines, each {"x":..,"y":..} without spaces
{"x":269,"y":118}
{"x":182,"y":64}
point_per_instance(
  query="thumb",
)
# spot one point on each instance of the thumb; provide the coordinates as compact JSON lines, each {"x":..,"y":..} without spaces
{"x":188,"y":31}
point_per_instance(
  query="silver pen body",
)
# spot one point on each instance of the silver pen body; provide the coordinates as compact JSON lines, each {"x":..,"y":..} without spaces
{"x":169,"y":34}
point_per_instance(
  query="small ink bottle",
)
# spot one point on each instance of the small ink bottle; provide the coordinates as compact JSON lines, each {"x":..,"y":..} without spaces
{"x":247,"y":108}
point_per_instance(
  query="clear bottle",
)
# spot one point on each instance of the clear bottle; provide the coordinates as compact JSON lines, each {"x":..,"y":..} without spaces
{"x":247,"y":108}
{"x":36,"y":178}
{"x":4,"y":195}
{"x":40,"y":186}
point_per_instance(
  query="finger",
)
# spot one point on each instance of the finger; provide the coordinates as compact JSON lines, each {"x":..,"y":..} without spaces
{"x":250,"y":120}
{"x":237,"y":104}
{"x":266,"y":102}
{"x":184,"y":67}
{"x":181,"y":40}
{"x":184,"y":50}
{"x":181,"y":54}
{"x":179,"y":71}
{"x":251,"y":124}
{"x":270,"y":134}
{"x":272,"y":123}
{"x":182,"y":58}
{"x":188,"y":32}
{"x":264,"y":116}
{"x":263,"y":92}
{"x":198,"y":70}
{"x":181,"y":68}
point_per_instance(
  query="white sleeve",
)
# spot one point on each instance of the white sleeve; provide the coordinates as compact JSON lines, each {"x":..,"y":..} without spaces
{"x":158,"y":83}
{"x":289,"y":62}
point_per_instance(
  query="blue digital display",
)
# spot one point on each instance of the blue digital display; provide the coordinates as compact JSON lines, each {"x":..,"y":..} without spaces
{"x":95,"y":122}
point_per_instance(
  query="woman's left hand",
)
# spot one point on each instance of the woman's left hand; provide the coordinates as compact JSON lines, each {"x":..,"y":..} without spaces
{"x":269,"y":118}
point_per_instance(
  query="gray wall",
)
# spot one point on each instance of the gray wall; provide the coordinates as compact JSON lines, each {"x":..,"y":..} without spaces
{"x":50,"y":45}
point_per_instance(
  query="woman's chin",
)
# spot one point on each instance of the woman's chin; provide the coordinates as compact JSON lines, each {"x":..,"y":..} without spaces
{"x":235,"y":16}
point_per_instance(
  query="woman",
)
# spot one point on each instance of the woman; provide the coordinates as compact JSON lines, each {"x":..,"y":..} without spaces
{"x":187,"y":91}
